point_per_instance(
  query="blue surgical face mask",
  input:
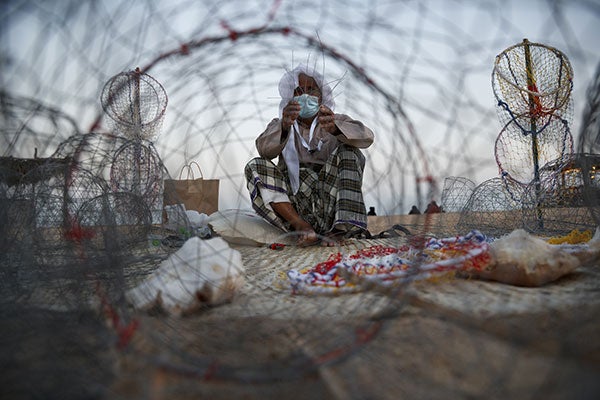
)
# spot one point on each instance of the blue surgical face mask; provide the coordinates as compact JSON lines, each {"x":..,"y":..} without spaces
{"x":309,"y":105}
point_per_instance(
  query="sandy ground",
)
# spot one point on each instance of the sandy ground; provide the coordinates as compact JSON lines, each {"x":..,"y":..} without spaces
{"x":451,"y":338}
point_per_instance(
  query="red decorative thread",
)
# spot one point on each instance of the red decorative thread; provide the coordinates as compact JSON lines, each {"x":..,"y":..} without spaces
{"x":538,"y":110}
{"x":273,"y":11}
{"x":468,"y":255}
{"x":426,"y":178}
{"x":95,"y":126}
{"x":326,"y":266}
{"x":374,"y":251}
{"x":124,"y":332}
{"x":363,"y":336}
{"x":276,"y":246}
{"x":233,"y":35}
{"x":77,"y":234}
{"x":211,"y":371}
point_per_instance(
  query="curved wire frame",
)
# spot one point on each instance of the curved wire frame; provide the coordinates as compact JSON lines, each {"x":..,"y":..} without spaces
{"x":532,"y":82}
{"x":136,"y":102}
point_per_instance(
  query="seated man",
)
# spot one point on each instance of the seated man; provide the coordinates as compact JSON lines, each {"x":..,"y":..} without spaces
{"x":316,"y":187}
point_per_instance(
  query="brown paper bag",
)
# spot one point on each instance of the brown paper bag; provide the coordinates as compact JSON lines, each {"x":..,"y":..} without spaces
{"x":198,"y":194}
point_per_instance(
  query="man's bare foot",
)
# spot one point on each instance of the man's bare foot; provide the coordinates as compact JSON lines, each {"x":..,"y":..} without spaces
{"x":333,"y":238}
{"x":329,"y":241}
{"x":308,"y":236}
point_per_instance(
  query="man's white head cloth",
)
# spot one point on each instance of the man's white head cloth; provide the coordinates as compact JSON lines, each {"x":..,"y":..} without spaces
{"x":289,"y":82}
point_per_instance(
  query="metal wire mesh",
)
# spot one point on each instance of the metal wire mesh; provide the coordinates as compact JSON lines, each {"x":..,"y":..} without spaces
{"x":456,"y":193}
{"x":494,"y":208}
{"x":81,"y":223}
{"x":521,"y":156}
{"x":533,"y":82}
{"x":136,"y":103}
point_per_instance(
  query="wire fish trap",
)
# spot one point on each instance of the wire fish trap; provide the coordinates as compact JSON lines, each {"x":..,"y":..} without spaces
{"x":494,"y":208}
{"x":136,"y":102}
{"x":456,"y":193}
{"x":532,"y":82}
{"x":521,"y":157}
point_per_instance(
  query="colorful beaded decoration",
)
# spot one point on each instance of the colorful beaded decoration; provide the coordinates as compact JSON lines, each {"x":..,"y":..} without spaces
{"x":387,"y":266}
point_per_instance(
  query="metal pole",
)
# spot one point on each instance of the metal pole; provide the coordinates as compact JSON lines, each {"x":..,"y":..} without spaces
{"x":531,"y":86}
{"x":137,"y":119}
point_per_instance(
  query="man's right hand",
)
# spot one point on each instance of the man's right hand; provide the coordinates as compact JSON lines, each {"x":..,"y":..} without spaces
{"x":289,"y":115}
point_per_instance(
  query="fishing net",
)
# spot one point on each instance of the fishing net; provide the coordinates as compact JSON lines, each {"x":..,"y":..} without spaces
{"x":534,"y":151}
{"x":456,"y":193}
{"x":589,"y":140}
{"x":558,"y":206}
{"x":136,"y":103}
{"x":533,"y":82}
{"x":522,"y":156}
{"x":494,"y":207}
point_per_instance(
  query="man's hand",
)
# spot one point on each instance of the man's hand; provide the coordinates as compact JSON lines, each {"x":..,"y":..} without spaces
{"x":289,"y":115}
{"x":326,"y":120}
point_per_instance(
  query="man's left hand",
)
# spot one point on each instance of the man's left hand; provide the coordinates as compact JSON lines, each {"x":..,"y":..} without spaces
{"x":327,"y":121}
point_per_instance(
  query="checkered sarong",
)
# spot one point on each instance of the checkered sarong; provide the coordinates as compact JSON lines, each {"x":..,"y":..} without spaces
{"x":325,"y":199}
